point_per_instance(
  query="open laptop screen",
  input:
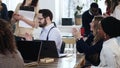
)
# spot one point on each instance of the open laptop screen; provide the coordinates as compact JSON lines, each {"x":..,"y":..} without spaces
{"x":29,"y":50}
{"x":32,"y":50}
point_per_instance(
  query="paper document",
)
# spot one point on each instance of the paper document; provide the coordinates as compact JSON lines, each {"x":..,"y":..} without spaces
{"x":27,"y":14}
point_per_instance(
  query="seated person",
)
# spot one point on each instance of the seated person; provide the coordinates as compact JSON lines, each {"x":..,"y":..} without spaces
{"x":10,"y":57}
{"x":110,"y":53}
{"x":49,"y":31}
{"x":93,"y":45}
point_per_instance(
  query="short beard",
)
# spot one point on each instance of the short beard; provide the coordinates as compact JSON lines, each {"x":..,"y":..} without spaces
{"x":43,"y":25}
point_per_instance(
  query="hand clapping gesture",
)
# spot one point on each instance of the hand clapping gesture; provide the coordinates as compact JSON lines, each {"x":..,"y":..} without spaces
{"x":76,"y":33}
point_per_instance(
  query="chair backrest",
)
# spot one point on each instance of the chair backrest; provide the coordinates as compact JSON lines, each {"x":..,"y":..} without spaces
{"x":69,"y":40}
{"x":69,"y":44}
{"x":62,"y":47}
{"x":10,"y":13}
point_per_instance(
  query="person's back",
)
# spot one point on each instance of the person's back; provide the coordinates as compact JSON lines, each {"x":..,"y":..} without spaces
{"x":10,"y":14}
{"x":10,"y":57}
{"x":86,"y":19}
{"x":11,"y":60}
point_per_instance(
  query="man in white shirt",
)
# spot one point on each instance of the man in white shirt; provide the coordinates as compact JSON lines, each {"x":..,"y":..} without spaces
{"x":49,"y":31}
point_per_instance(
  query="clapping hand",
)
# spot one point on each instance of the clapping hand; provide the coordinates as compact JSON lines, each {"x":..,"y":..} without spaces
{"x":76,"y":33}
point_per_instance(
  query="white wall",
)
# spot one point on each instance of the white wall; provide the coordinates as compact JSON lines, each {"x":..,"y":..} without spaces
{"x":11,"y":4}
{"x":43,"y":4}
{"x":56,"y":6}
{"x":51,"y":4}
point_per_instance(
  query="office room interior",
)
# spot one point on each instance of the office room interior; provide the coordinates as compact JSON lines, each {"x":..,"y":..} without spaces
{"x":60,"y":8}
{"x":63,"y":11}
{"x":65,"y":19}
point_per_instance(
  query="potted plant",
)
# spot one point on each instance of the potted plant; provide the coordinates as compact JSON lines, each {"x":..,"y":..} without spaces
{"x":78,"y":11}
{"x":77,"y":15}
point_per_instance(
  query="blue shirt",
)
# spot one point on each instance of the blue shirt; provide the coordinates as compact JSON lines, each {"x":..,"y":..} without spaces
{"x":54,"y":35}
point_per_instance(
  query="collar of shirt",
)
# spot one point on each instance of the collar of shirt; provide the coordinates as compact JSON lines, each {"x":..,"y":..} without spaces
{"x":44,"y":32}
{"x":90,"y":13}
{"x":48,"y":27}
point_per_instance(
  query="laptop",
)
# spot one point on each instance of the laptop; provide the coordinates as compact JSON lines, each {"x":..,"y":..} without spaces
{"x":34,"y":50}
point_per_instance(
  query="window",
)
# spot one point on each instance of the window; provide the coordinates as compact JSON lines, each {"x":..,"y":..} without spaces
{"x":61,"y":8}
{"x":68,"y":6}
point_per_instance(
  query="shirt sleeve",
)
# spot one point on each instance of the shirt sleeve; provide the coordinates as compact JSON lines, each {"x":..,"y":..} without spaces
{"x":83,"y":47}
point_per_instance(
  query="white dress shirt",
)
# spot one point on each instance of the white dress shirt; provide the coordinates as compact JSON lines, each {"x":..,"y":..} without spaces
{"x":36,"y":33}
{"x":54,"y":35}
{"x":110,"y":54}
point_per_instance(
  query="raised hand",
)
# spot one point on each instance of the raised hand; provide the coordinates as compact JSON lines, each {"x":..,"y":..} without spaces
{"x":76,"y":33}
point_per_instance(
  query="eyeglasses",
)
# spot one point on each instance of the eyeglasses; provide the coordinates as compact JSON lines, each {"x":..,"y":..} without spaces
{"x":40,"y":18}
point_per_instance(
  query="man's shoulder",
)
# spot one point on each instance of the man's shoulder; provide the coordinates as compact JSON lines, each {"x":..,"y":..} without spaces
{"x":55,"y":29}
{"x":3,"y":4}
{"x":86,"y":13}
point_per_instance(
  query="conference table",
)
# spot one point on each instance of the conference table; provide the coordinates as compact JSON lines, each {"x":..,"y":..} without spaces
{"x":70,"y":61}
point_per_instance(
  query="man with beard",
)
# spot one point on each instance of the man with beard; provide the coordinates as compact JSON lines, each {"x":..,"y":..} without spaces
{"x":49,"y":31}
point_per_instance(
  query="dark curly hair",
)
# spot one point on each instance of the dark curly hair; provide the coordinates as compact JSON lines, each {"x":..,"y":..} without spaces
{"x":111,"y":26}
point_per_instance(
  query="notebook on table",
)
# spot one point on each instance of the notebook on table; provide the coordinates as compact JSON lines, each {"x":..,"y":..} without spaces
{"x":34,"y":50}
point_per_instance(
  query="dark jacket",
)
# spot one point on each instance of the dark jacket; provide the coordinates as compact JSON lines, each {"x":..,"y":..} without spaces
{"x":88,"y":49}
{"x":86,"y":20}
{"x":4,"y":12}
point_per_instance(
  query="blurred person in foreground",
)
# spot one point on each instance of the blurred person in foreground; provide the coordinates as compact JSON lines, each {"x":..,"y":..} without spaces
{"x":10,"y":57}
